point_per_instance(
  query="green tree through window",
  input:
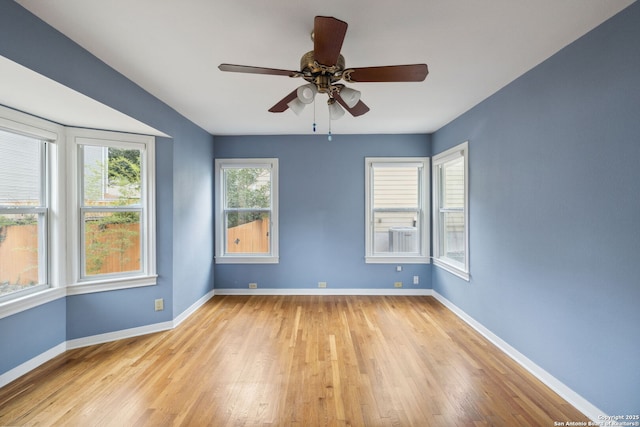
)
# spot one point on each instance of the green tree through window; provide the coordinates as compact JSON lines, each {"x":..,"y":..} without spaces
{"x":247,"y":188}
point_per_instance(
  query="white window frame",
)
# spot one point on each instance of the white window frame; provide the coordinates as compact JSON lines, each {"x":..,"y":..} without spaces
{"x":53,"y":239}
{"x":221,"y":257}
{"x":423,"y":257}
{"x":79,"y":283}
{"x":453,"y":154}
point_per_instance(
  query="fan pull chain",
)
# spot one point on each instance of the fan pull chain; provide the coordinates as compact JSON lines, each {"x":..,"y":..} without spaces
{"x":314,"y":115}
{"x":329,"y":137}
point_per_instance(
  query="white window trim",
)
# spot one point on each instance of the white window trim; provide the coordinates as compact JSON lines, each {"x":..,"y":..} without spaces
{"x":461,"y":150}
{"x":220,"y":256}
{"x":147,"y":276}
{"x":22,"y":123}
{"x":424,"y":256}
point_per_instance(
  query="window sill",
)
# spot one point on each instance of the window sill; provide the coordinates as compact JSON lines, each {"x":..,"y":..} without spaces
{"x":396,"y":260}
{"x":452,"y":269}
{"x":14,"y":306}
{"x":247,"y":260}
{"x":111,"y":284}
{"x":17,"y":305}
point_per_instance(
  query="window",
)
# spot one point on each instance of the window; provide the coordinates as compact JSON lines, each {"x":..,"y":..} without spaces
{"x":247,"y":210}
{"x":24,"y":213}
{"x":113,"y":209}
{"x":32,"y":218}
{"x":451,"y":210}
{"x":397,"y":226}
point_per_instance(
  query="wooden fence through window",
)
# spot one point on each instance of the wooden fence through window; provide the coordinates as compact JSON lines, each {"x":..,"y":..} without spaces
{"x":19,"y":249}
{"x":250,"y":238}
{"x":19,"y":254}
{"x":119,"y":251}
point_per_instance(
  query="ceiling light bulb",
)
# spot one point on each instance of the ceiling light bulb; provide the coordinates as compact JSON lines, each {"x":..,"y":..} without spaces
{"x":296,"y":106}
{"x":335,"y":110}
{"x":350,"y":96}
{"x":306,"y":93}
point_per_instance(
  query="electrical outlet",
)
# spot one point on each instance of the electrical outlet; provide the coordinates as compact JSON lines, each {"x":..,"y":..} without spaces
{"x":253,"y":286}
{"x":397,"y":285}
{"x":399,"y":268}
{"x":322,"y":284}
{"x":159,"y":304}
{"x":416,"y":280}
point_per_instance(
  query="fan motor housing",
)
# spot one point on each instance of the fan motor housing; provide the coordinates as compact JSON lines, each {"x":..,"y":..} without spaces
{"x":321,"y":75}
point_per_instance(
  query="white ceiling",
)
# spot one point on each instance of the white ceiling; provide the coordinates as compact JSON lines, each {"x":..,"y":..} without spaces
{"x":172,"y":49}
{"x":42,"y":97}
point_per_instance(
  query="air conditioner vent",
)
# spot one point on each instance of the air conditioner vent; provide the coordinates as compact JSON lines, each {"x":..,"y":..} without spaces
{"x":403,"y":239}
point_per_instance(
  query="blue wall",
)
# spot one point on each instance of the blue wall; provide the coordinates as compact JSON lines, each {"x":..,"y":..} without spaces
{"x":322,"y":211}
{"x":554,"y":205}
{"x":184,"y":178}
{"x":193,"y":227}
{"x":30,"y":333}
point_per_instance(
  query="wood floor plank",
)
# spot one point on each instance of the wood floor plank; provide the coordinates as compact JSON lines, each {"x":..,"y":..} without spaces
{"x":291,"y":361}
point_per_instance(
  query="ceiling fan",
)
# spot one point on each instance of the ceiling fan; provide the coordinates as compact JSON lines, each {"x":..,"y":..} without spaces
{"x":324,"y":67}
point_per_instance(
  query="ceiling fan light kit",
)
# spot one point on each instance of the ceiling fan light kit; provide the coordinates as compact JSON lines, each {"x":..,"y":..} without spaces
{"x":296,"y":106}
{"x":324,"y":67}
{"x":335,"y":110}
{"x":350,"y":96}
{"x":306,"y":93}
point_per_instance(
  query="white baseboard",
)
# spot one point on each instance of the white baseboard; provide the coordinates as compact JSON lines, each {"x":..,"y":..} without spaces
{"x":118,"y":335}
{"x":324,"y":291}
{"x":142,"y":330}
{"x":196,"y":305}
{"x":31,"y":364}
{"x":578,"y":402}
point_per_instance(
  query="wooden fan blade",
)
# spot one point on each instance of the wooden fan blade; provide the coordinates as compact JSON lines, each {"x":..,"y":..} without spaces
{"x":256,"y":70}
{"x":390,"y":73}
{"x":282,"y":104}
{"x":328,"y":35}
{"x":359,"y":109}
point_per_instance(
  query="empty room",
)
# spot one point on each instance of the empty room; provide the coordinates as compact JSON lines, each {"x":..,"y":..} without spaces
{"x":307,"y":214}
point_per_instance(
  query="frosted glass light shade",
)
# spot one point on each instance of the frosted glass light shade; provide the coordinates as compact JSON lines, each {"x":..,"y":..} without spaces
{"x":306,"y":93}
{"x":296,"y":106}
{"x":335,"y":111}
{"x":350,"y":96}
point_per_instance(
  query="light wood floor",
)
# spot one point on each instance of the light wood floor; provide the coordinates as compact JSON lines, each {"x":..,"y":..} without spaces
{"x":291,"y":361}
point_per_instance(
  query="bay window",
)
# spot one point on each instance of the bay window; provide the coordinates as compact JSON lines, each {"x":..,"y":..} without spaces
{"x":77,"y":211}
